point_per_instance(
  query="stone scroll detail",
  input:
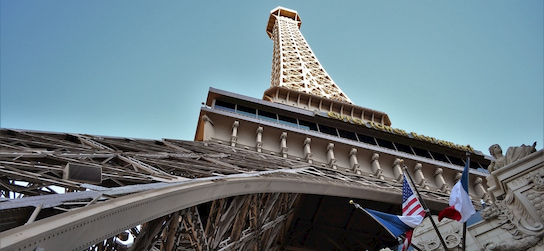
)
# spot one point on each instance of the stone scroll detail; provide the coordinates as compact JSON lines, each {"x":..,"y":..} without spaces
{"x":295,"y":66}
{"x":514,"y":216}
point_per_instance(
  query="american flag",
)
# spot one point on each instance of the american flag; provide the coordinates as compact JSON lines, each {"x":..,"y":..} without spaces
{"x":410,"y":207}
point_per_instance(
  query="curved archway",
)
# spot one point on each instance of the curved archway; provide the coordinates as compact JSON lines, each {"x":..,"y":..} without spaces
{"x":84,"y":227}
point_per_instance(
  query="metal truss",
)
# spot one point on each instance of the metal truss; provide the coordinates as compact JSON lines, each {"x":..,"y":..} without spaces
{"x":159,"y":194}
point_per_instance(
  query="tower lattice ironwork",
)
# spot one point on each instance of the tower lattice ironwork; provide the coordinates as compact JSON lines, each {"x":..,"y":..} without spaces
{"x":294,"y":65}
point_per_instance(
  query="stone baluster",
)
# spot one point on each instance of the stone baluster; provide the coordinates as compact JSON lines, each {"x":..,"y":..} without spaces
{"x":439,"y":180}
{"x":307,"y":150}
{"x":283,"y":144}
{"x":234,"y":136}
{"x":376,"y":168}
{"x":420,"y":178}
{"x":457,"y":177}
{"x":331,"y":160}
{"x":479,"y":189}
{"x":259,"y":139}
{"x":397,"y":170}
{"x":353,"y":162}
{"x":208,"y":128}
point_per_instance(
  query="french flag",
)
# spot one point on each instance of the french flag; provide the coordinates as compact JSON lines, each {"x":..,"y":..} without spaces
{"x":461,"y":207}
{"x":396,"y":225}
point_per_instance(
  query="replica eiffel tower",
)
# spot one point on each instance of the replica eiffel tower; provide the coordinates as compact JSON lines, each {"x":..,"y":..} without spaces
{"x":270,"y":174}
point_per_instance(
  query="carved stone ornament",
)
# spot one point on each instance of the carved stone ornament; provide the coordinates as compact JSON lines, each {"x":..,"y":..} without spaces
{"x":452,"y":238}
{"x":527,"y":243}
{"x":513,"y":218}
{"x":513,"y":154}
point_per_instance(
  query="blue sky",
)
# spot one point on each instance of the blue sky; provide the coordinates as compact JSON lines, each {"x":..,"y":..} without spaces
{"x":469,"y":72}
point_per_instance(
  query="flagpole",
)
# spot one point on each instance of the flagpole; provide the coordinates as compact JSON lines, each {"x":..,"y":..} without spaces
{"x":427,"y":211}
{"x":465,"y":223}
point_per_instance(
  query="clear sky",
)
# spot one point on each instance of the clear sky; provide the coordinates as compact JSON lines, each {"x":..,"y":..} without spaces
{"x":469,"y":72}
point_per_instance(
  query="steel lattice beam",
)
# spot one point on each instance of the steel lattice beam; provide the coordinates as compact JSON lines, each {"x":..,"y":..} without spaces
{"x":156,"y":190}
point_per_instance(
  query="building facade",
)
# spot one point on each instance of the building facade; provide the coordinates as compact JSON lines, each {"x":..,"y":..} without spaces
{"x":270,"y":173}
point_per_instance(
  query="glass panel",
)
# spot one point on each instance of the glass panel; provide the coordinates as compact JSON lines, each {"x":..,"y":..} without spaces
{"x":347,"y":135}
{"x":386,"y":143}
{"x":268,"y":116}
{"x":475,"y":165}
{"x":288,"y":121}
{"x":422,"y":152}
{"x":224,"y":105}
{"x":366,"y":139}
{"x":439,"y":156}
{"x":328,"y":130}
{"x":456,"y":161}
{"x":248,"y":111}
{"x":307,"y":125}
{"x":404,"y":148}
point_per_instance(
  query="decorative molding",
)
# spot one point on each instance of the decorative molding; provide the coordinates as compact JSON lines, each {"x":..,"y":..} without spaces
{"x":376,"y":169}
{"x":331,"y":160}
{"x":259,"y":139}
{"x":234,"y":136}
{"x":353,"y":162}
{"x":283,"y":144}
{"x":307,"y":150}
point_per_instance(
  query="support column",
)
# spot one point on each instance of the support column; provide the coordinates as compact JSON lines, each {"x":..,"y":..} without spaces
{"x":259,"y":139}
{"x":457,"y":177}
{"x":439,"y":180}
{"x":234,"y":136}
{"x":479,"y":189}
{"x":397,"y":170}
{"x":331,"y":160}
{"x":420,"y":178}
{"x":353,"y":162}
{"x":283,"y":144}
{"x":376,"y":168}
{"x":307,"y":150}
{"x":209,"y":130}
